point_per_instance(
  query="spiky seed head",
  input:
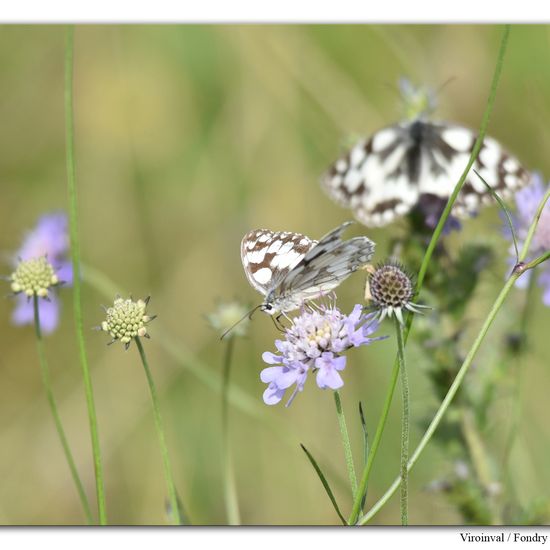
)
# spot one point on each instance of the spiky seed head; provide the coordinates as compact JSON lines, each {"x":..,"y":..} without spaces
{"x":126,"y":320}
{"x":34,"y":277}
{"x":390,"y":286}
{"x":390,"y":290}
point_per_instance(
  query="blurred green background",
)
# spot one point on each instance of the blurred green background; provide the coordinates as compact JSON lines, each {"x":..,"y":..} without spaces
{"x":186,"y":138}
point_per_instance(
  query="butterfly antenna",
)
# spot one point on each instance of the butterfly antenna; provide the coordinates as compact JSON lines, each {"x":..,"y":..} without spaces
{"x":444,"y":85}
{"x":248,"y":314}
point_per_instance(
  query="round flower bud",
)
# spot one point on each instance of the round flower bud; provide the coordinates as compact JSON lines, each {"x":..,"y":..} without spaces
{"x":229,"y":318}
{"x":34,"y":277}
{"x":126,"y":320}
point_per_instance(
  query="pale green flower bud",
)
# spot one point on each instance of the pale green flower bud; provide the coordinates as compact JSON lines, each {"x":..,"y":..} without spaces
{"x":229,"y":318}
{"x":34,"y":277}
{"x":126,"y":320}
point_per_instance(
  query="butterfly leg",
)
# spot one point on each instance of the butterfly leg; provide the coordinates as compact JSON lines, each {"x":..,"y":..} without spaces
{"x":278,"y":325}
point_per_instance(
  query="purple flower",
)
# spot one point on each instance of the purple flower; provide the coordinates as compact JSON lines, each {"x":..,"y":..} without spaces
{"x":430,"y":208}
{"x":314,"y":343}
{"x":49,"y":238}
{"x":527,"y":203}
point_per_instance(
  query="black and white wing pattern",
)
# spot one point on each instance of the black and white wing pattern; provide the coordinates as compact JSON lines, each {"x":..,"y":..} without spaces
{"x":386,"y":176}
{"x":290,"y":269}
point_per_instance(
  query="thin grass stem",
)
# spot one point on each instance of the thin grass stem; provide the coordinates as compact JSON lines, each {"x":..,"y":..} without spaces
{"x":57,"y":419}
{"x":404,"y":425}
{"x":346,"y":444}
{"x":230,"y":487}
{"x":172,"y":494}
{"x":75,"y":257}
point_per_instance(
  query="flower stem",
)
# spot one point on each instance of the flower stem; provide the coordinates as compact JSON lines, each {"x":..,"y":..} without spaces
{"x":346,"y":443}
{"x":448,"y":398}
{"x":375,"y":442}
{"x":404,"y":425}
{"x":426,"y":260}
{"x":518,"y":368}
{"x":231,"y":500}
{"x":172,"y":494}
{"x":53,"y":406}
{"x":75,"y":256}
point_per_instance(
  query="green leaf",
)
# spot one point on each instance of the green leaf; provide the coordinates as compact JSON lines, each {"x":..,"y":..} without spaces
{"x":506,"y":212}
{"x":325,"y":484}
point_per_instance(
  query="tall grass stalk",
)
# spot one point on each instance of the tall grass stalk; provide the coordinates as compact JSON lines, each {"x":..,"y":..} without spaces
{"x":404,"y":425}
{"x":346,"y":443}
{"x":57,"y":419}
{"x":75,"y":256}
{"x":172,"y":494}
{"x":230,"y":487}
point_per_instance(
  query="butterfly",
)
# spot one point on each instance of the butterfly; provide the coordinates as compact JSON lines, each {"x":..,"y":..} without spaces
{"x":419,"y":161}
{"x":290,"y":268}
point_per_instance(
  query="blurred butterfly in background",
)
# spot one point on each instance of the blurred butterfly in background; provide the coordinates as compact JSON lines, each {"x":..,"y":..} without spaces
{"x":290,"y":268}
{"x":419,"y":162}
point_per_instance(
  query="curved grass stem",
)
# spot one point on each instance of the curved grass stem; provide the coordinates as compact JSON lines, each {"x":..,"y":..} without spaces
{"x":57,"y":419}
{"x":75,"y":257}
{"x":230,"y":488}
{"x":346,"y":443}
{"x":172,"y":494}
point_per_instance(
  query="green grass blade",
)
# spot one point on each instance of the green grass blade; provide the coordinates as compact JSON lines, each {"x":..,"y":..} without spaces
{"x":325,"y":484}
{"x":506,"y":211}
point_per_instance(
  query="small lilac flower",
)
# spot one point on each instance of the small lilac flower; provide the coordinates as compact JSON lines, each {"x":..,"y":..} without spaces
{"x":314,"y":343}
{"x":48,"y":239}
{"x":527,"y":203}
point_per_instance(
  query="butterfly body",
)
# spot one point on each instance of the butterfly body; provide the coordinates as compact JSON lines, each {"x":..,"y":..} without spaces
{"x":290,"y":269}
{"x":387,"y":175}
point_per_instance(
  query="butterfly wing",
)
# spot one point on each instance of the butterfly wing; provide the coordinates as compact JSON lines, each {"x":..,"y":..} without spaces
{"x":448,"y":152}
{"x":386,"y":176}
{"x":323,"y":268}
{"x":267,"y":256}
{"x":372,"y":179}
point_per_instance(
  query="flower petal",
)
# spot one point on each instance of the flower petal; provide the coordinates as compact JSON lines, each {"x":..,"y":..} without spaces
{"x":271,"y":358}
{"x":272,"y":395}
{"x":270,"y":374}
{"x":329,"y":378}
{"x":48,"y":311}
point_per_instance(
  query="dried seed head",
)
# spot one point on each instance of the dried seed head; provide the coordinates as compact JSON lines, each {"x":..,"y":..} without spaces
{"x":126,"y":320}
{"x":390,"y":286}
{"x":34,"y":277}
{"x":391,"y":290}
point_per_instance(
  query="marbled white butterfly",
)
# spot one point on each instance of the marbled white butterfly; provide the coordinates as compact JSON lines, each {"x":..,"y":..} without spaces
{"x":399,"y":166}
{"x":290,"y":269}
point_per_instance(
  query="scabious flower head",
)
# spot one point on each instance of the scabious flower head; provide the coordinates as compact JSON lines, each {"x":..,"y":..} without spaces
{"x":429,"y":209}
{"x":127,"y":320}
{"x":34,"y":277}
{"x":229,"y":318}
{"x":50,"y":240}
{"x":527,"y":202}
{"x":314,"y":343}
{"x":390,"y":290}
